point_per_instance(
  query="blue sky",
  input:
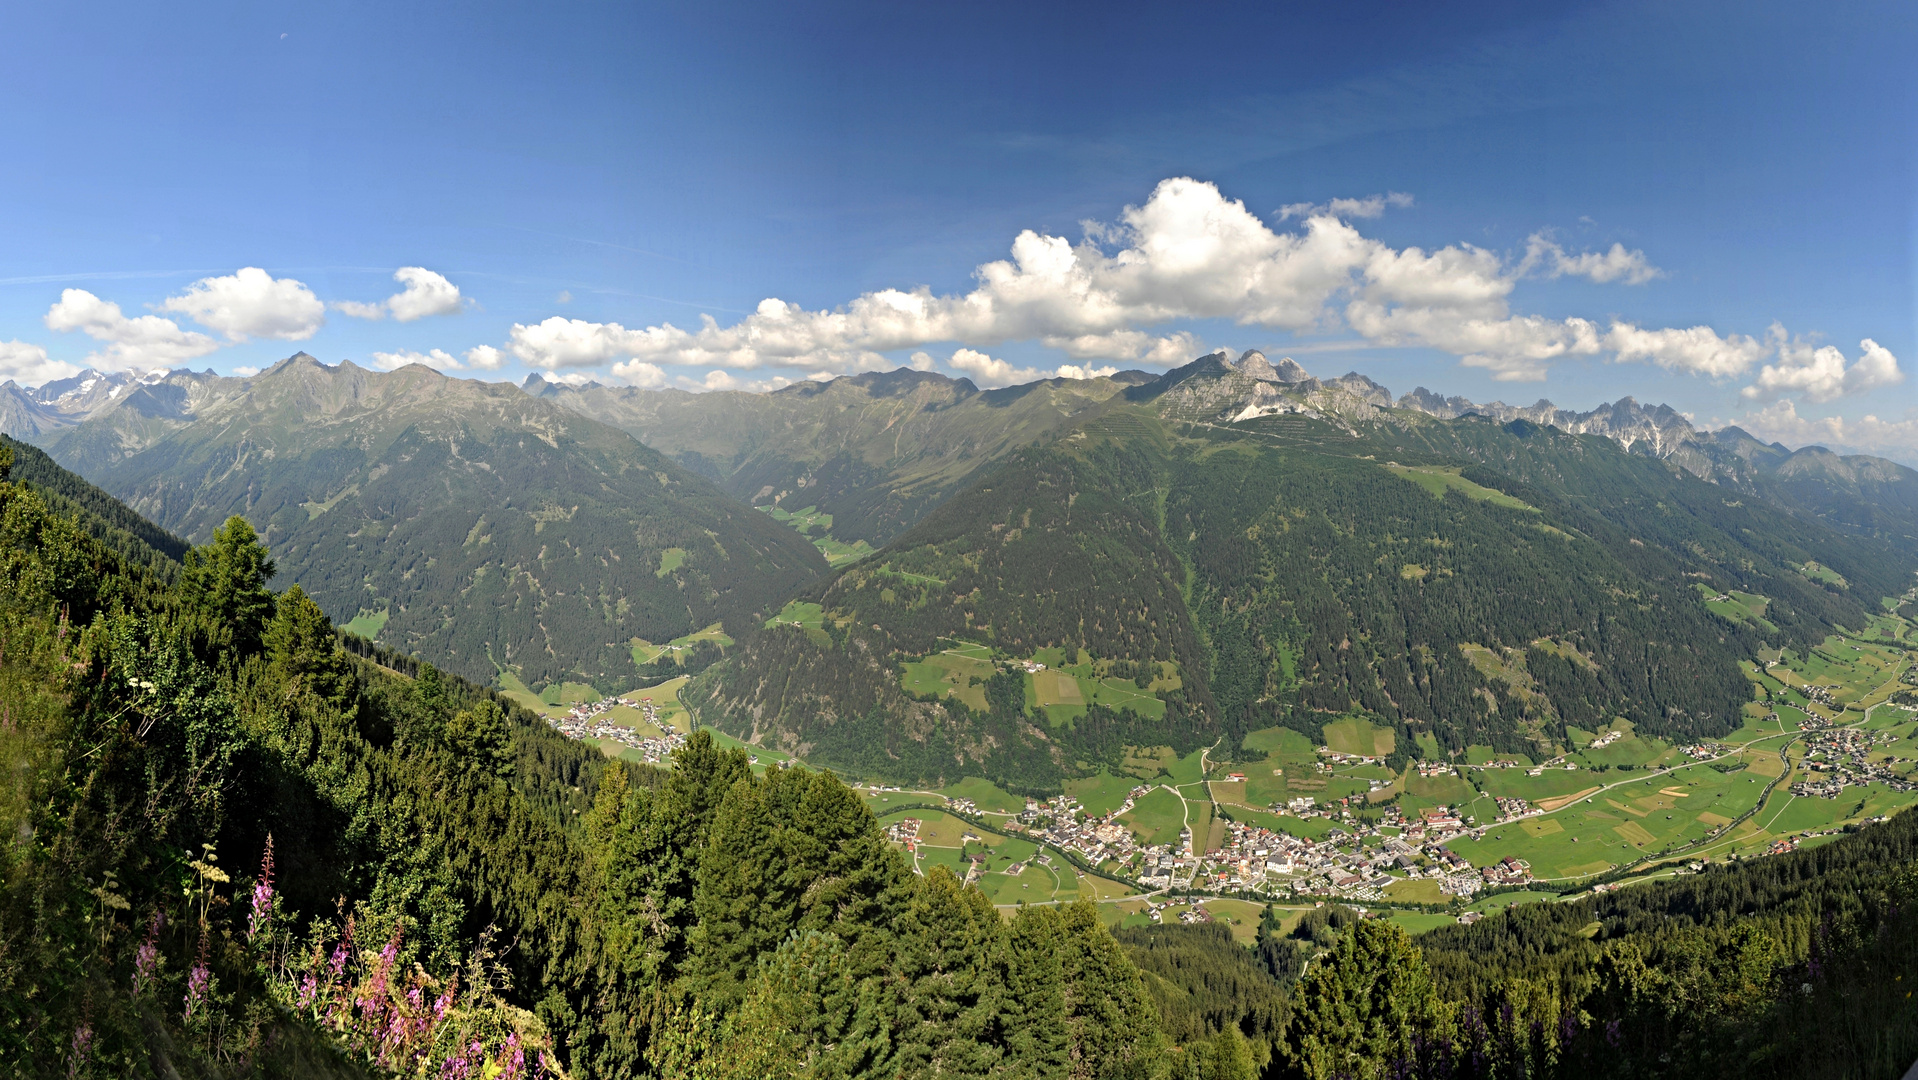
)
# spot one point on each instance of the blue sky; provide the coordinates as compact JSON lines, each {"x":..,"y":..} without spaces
{"x":1683,"y":178}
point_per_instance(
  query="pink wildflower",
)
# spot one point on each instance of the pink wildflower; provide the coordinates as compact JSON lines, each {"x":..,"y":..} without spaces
{"x":198,"y":979}
{"x":82,"y":1048}
{"x":147,"y":957}
{"x":262,"y":895}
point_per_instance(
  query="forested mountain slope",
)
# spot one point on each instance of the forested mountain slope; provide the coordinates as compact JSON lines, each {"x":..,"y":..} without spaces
{"x":876,"y":451}
{"x":233,"y":849}
{"x":1326,"y":555}
{"x":467,"y":521}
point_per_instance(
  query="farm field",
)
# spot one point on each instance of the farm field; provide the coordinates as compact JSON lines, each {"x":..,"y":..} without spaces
{"x":665,"y":698}
{"x":810,"y":617}
{"x":1621,"y":824}
{"x":1157,"y":818}
{"x":645,"y":652}
{"x":367,"y":624}
{"x":1100,"y":795}
{"x":952,"y":672}
{"x":1353,"y":735}
{"x":989,"y":797}
{"x":1419,"y":922}
{"x":811,"y":518}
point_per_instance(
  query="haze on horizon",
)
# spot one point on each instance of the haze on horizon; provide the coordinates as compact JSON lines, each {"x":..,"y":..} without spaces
{"x":1698,"y":205}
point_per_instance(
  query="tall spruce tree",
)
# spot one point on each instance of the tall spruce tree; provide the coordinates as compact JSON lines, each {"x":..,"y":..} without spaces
{"x":225,"y":581}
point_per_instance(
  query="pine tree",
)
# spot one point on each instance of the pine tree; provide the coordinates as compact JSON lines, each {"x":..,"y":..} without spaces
{"x":226,"y":582}
{"x":1112,"y":1026}
{"x":302,"y":648}
{"x":1361,"y":1006}
{"x":1036,"y":995}
{"x":744,"y":900}
{"x":951,"y":966}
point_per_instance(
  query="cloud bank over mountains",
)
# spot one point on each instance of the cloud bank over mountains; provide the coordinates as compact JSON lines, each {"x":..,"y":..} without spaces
{"x":1131,"y":292}
{"x":1189,"y":254}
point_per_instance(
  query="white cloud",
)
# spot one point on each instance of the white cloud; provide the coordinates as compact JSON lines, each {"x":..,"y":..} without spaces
{"x":246,"y":371}
{"x":988,"y":371}
{"x":1697,"y":350}
{"x":28,"y":364}
{"x":1780,"y":422}
{"x":1188,"y":253}
{"x":640,"y":373}
{"x":251,"y":303}
{"x":485,"y":358}
{"x":1543,"y":256}
{"x":1819,"y":372}
{"x":720,"y":379}
{"x":437,"y":359}
{"x":426,"y":294}
{"x":1369,"y":207}
{"x":144,"y":342}
{"x":921,"y":361}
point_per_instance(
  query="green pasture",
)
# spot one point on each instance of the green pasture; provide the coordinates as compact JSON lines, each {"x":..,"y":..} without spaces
{"x":1102,"y":794}
{"x":987,"y":796}
{"x":1063,"y":695}
{"x":1619,"y":825}
{"x":367,"y":624}
{"x":670,"y":560}
{"x":1438,"y":479}
{"x":1447,"y":789}
{"x":1501,"y":901}
{"x":1824,"y":575}
{"x":645,"y":652}
{"x":810,"y":617}
{"x":949,"y":673}
{"x":1419,"y":922}
{"x":1156,"y":818}
{"x":1741,"y":607}
{"x":1514,"y":784}
{"x":1242,"y":916}
{"x":1187,"y":770}
{"x":1356,"y":735}
{"x":1280,"y":743}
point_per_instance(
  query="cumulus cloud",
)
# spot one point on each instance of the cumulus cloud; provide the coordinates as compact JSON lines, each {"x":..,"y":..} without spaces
{"x":640,"y":373}
{"x":1187,"y":253}
{"x":485,"y":358}
{"x":251,"y":303}
{"x":246,"y":371}
{"x":1698,"y":350}
{"x":146,"y":341}
{"x":1544,"y":257}
{"x":1780,"y":422}
{"x":989,"y":371}
{"x":1819,"y":373}
{"x":426,"y":293}
{"x":28,"y":364}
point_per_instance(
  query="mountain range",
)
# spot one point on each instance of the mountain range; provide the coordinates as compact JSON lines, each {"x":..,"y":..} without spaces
{"x":1245,"y":543}
{"x":461,"y":520}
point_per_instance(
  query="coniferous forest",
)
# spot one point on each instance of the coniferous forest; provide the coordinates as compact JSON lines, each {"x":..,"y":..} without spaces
{"x":235,"y":847}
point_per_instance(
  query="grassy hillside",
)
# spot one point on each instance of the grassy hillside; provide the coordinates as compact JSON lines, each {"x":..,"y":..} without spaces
{"x":490,"y":529}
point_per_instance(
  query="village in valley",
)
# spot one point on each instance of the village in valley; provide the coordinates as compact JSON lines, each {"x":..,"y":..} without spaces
{"x":1830,"y":741}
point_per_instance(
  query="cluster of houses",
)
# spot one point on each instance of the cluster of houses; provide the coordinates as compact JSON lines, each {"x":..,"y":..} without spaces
{"x":1841,"y":757}
{"x":1822,"y":694}
{"x":587,"y":721}
{"x":1705,"y":750}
